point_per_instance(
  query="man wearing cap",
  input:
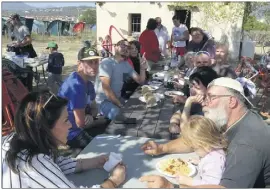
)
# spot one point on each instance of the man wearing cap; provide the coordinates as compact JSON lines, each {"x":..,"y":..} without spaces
{"x":248,"y":155}
{"x":55,"y":63}
{"x":113,"y":72}
{"x":80,"y":92}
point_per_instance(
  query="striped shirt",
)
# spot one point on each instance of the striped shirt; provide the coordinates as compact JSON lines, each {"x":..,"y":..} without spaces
{"x":44,"y":173}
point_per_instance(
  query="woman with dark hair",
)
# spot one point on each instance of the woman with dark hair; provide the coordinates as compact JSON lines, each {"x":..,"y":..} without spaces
{"x":198,"y":86}
{"x":30,"y":157}
{"x":130,"y":85}
{"x":149,"y":43}
{"x":202,"y":42}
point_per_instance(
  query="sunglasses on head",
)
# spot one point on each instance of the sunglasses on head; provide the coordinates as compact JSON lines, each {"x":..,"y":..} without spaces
{"x":202,"y":52}
{"x":49,"y":99}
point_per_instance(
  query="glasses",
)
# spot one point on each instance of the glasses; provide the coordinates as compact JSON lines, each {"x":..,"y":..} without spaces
{"x":49,"y":99}
{"x":210,"y":97}
{"x":202,"y":52}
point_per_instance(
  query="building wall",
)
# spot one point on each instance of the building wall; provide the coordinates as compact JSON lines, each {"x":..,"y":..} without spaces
{"x":117,"y":14}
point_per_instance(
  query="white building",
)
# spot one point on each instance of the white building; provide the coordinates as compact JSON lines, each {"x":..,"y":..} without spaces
{"x":132,"y":17}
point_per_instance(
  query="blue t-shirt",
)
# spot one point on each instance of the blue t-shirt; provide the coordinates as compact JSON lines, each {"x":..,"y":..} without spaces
{"x":117,"y":72}
{"x":78,"y":95}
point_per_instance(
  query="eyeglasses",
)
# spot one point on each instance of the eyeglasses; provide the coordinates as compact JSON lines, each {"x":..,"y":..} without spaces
{"x":210,"y":97}
{"x":49,"y":99}
{"x":202,"y":52}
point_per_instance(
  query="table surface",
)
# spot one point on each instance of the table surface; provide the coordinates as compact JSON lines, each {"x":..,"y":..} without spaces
{"x":138,"y":164}
{"x":151,"y":122}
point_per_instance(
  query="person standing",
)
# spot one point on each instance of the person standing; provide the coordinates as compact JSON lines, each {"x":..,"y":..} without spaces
{"x":23,"y":44}
{"x":149,"y":44}
{"x":179,"y":36}
{"x":163,"y":37}
{"x":55,"y":63}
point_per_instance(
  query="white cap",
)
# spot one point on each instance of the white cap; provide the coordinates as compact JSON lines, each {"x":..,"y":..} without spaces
{"x":230,"y":83}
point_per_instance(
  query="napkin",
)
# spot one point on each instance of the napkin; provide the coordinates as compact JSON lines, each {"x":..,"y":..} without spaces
{"x":114,"y":159}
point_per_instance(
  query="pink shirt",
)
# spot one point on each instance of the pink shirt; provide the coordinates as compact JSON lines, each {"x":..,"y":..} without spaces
{"x":211,"y":168}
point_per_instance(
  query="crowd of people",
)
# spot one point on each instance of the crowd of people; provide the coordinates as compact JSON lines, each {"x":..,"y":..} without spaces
{"x":217,"y":122}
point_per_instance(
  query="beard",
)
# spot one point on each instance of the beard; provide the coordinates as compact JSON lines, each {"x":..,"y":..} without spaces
{"x":218,"y":115}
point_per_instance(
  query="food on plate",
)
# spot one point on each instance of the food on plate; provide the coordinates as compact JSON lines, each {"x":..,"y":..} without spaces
{"x":146,"y":89}
{"x":150,"y":99}
{"x":172,"y":166}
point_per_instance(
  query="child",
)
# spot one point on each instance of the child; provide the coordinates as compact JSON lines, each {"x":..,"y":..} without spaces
{"x":55,"y":63}
{"x":209,"y":144}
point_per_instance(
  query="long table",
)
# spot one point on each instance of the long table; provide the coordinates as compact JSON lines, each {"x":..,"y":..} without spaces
{"x":138,"y":164}
{"x":151,"y":122}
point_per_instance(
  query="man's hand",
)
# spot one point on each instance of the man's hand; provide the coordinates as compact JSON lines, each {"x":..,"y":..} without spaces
{"x":155,"y":181}
{"x":152,"y":148}
{"x":178,"y":99}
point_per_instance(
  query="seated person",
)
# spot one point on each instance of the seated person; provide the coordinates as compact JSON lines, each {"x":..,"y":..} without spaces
{"x":221,"y":65}
{"x":201,"y":42}
{"x":30,"y":155}
{"x":80,"y":93}
{"x":130,"y":85}
{"x":201,"y":59}
{"x":113,"y":72}
{"x":198,"y":85}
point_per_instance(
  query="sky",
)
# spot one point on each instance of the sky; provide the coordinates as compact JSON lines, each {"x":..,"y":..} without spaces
{"x":59,"y":4}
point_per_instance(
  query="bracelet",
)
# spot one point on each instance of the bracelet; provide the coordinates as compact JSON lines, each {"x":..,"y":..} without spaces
{"x":114,"y":184}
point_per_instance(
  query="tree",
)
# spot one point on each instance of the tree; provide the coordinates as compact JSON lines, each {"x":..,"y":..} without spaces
{"x":88,"y":16}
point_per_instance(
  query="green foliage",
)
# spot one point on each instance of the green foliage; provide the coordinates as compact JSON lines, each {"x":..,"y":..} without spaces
{"x":88,"y":16}
{"x":253,"y":24}
{"x":219,"y":12}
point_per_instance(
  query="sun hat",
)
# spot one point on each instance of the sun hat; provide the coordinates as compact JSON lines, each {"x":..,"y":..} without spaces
{"x":230,"y":83}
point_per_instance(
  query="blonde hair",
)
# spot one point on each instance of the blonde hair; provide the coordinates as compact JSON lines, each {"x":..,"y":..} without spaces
{"x":201,"y":132}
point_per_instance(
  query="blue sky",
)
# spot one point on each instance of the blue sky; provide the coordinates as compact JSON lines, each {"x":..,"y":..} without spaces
{"x":59,"y":4}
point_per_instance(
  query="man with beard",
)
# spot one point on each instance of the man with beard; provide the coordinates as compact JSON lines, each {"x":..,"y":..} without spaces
{"x":113,"y":72}
{"x":221,"y":65}
{"x":248,"y":155}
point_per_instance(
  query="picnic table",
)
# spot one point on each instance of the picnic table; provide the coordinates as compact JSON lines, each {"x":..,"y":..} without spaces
{"x":138,"y":164}
{"x":152,"y":122}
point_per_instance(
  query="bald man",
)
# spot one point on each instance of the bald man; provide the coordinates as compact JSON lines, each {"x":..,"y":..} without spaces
{"x":163,"y":37}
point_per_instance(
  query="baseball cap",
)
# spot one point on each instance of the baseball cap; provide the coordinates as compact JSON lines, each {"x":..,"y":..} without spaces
{"x":51,"y":45}
{"x":88,"y":54}
{"x":230,"y":83}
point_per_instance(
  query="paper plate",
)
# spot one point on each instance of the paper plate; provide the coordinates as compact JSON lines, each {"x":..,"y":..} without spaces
{"x":191,"y":174}
{"x":173,"y":93}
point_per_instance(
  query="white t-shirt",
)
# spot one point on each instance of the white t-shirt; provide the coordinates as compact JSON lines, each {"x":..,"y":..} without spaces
{"x":179,"y":31}
{"x":21,"y":32}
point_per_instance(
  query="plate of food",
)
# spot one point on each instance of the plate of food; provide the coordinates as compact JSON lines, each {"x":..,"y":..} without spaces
{"x":171,"y":166}
{"x":150,"y":87}
{"x":173,"y":93}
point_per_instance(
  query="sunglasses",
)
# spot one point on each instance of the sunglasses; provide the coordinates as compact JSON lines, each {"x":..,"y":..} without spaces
{"x":49,"y":99}
{"x":202,"y":52}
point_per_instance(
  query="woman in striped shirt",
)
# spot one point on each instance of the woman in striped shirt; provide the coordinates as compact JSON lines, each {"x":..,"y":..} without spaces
{"x":30,"y":155}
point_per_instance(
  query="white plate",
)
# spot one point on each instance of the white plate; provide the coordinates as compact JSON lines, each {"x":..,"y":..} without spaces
{"x":191,"y":174}
{"x":173,"y":93}
{"x":152,"y":87}
{"x":158,"y":97}
{"x":155,"y":83}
